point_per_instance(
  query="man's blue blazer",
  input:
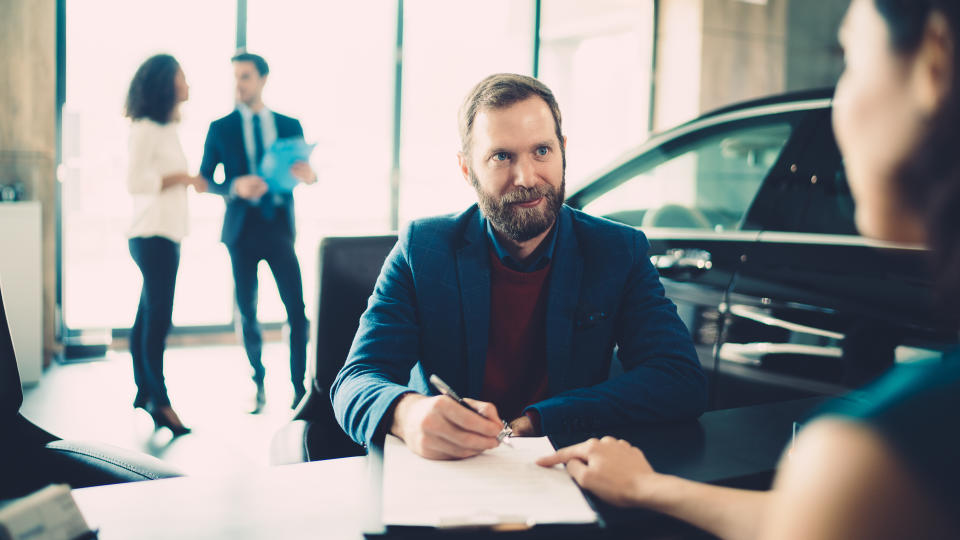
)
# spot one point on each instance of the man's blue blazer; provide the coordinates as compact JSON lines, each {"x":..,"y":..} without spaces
{"x":430,"y":313}
{"x":224,"y":144}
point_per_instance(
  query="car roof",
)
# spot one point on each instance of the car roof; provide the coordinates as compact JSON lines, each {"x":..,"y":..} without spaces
{"x":801,"y":95}
{"x":655,"y":138}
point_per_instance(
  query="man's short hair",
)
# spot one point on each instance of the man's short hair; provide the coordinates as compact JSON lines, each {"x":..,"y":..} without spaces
{"x":499,"y":91}
{"x":256,"y":59}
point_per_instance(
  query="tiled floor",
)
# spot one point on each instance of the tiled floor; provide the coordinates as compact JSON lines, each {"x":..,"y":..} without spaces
{"x":209,"y":387}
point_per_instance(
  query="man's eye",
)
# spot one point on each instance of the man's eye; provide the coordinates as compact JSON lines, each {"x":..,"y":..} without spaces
{"x":543,"y":150}
{"x":501,"y":156}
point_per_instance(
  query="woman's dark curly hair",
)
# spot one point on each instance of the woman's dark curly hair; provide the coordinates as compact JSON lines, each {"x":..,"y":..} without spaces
{"x":153,"y":93}
{"x":930,"y":180}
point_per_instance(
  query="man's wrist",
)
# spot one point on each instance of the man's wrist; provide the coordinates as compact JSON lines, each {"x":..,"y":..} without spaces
{"x":526,"y":425}
{"x":532,"y":421}
{"x":534,"y":416}
{"x":398,"y":410}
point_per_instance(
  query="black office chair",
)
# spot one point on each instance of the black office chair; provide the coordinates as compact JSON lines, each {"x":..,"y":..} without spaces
{"x":348,"y":271}
{"x":31,"y":458}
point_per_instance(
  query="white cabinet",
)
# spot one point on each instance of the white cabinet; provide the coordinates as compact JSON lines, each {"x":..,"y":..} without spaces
{"x":21,"y":282}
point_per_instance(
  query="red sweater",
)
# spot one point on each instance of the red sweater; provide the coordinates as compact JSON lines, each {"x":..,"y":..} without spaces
{"x":515,"y":374}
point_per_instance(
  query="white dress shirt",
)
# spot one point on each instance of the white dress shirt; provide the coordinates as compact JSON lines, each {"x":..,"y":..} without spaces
{"x":268,"y":129}
{"x":155,"y":152}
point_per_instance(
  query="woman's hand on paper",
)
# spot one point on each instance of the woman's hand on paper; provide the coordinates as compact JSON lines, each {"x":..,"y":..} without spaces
{"x":440,"y":428}
{"x":611,"y":468}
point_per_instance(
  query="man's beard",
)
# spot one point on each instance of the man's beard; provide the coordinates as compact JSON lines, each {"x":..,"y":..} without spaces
{"x":517,"y":223}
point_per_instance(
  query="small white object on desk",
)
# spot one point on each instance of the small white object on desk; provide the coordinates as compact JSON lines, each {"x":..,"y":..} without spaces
{"x":47,"y":514}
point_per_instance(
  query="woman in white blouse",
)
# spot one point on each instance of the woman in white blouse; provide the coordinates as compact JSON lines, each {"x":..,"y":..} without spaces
{"x":157,"y":179}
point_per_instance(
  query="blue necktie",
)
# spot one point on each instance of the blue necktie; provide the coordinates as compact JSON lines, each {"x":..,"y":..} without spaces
{"x":266,"y":202}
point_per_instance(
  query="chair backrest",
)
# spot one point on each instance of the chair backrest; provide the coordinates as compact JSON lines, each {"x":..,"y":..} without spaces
{"x":11,"y":396}
{"x":348,"y":270}
{"x":349,"y":267}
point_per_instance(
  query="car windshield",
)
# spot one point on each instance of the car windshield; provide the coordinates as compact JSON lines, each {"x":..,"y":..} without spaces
{"x":706,"y":184}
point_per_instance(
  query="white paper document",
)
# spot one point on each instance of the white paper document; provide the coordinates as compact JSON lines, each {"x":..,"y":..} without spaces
{"x":500,"y":486}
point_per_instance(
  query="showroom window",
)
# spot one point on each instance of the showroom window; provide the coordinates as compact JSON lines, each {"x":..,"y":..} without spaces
{"x":101,"y":284}
{"x":334,"y":66}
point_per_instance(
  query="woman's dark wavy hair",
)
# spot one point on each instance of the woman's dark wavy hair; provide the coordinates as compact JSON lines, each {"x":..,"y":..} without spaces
{"x":930,"y":180}
{"x":152,"y":91}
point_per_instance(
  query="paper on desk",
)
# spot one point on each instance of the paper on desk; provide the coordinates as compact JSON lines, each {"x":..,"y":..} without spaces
{"x":276,"y":163}
{"x":502,"y":485}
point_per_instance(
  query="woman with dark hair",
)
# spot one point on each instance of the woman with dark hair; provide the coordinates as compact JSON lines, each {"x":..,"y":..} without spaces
{"x":882,"y":465}
{"x":157,"y":180}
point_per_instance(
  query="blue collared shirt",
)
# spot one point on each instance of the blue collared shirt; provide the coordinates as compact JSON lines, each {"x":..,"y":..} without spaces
{"x":537,"y":262}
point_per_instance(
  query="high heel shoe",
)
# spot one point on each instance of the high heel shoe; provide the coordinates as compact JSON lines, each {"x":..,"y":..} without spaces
{"x":140,"y":401}
{"x":166,"y":417}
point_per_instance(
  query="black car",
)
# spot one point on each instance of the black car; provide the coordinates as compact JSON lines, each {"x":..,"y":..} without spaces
{"x":750,"y":222}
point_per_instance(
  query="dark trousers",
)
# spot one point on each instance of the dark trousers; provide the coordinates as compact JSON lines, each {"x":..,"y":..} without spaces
{"x":158,"y":259}
{"x":263,"y":240}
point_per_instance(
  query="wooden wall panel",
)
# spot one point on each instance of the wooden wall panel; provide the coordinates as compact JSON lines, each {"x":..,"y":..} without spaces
{"x":27,"y":122}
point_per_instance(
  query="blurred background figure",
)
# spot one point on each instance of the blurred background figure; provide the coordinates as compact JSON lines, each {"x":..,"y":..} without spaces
{"x":881,"y":465}
{"x":157,"y":179}
{"x":259,"y":222}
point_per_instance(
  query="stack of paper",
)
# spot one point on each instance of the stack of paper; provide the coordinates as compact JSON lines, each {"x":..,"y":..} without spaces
{"x":500,"y":486}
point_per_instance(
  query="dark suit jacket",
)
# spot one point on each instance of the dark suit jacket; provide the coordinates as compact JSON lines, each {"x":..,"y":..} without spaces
{"x":224,"y":144}
{"x":430,"y":313}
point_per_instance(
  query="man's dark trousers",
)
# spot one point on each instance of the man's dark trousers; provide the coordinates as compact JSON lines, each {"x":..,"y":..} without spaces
{"x":250,"y":237}
{"x":270,"y":241}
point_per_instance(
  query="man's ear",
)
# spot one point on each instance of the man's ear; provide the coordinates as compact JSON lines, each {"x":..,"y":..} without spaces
{"x":464,"y":163}
{"x":564,"y":142}
{"x":933,"y":65}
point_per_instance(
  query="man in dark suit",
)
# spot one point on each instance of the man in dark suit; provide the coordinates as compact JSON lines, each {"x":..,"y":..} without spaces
{"x":519,"y":302}
{"x":259,"y":223}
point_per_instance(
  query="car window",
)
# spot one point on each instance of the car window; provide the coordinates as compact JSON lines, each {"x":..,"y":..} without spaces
{"x":706,"y":184}
{"x":809,"y":193}
{"x":830,"y":206}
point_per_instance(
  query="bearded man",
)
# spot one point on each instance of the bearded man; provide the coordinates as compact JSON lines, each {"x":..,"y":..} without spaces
{"x":518,"y":302}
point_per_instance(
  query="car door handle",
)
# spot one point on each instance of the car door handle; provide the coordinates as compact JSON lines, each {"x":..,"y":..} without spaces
{"x":682,"y":263}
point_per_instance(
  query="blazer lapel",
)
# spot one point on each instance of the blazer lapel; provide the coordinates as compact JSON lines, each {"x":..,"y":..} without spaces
{"x":564,"y":290}
{"x":473,"y":270}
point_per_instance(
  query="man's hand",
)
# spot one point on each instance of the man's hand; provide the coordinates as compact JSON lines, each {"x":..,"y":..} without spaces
{"x":302,"y":171}
{"x":440,"y":428}
{"x":617,"y":472}
{"x":249,"y":186}
{"x":523,"y":426}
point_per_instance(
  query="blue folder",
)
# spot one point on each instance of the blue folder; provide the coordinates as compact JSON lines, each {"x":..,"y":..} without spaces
{"x":276,"y":163}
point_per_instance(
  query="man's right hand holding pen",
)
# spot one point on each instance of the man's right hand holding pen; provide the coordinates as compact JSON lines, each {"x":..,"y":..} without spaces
{"x":439,"y":427}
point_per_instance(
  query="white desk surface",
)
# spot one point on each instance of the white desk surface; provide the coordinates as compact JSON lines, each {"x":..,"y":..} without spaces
{"x":323,"y":499}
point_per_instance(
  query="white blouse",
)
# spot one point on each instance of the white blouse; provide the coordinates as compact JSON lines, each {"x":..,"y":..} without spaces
{"x":155,"y":152}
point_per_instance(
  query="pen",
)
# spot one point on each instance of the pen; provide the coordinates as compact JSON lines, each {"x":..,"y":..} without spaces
{"x":445,"y":389}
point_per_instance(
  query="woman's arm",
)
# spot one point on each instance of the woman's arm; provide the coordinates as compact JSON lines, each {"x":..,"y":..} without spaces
{"x":179,"y":179}
{"x":843,"y":481}
{"x":620,"y":474}
{"x":142,"y":176}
